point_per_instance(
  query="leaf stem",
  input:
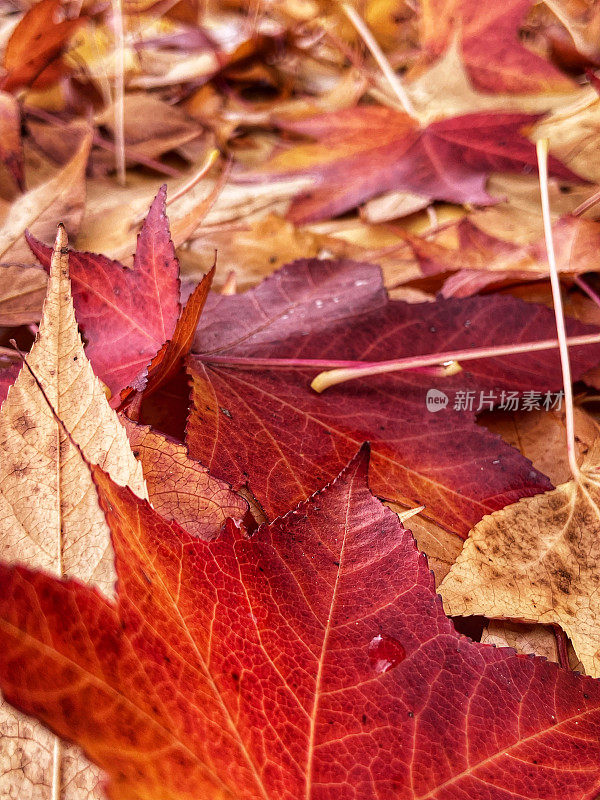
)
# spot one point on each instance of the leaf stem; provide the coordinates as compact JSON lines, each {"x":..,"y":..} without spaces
{"x":341,"y":371}
{"x":542,"y":155}
{"x":56,"y":769}
{"x":379,"y":56}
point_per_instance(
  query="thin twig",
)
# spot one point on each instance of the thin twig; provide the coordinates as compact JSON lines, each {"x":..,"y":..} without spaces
{"x":56,"y":769}
{"x":588,"y":290}
{"x":119,"y":99}
{"x":379,"y":56}
{"x":587,"y":204}
{"x":342,"y":371}
{"x":542,"y":155}
{"x":210,"y":160}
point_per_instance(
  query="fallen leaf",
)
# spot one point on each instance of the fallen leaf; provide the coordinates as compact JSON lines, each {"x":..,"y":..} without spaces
{"x":537,"y":561}
{"x":445,"y":89}
{"x":329,"y":617}
{"x":369,"y":150}
{"x":519,"y":218}
{"x":60,"y":198}
{"x":265,"y":427}
{"x":49,"y":508}
{"x":8,"y":375}
{"x":11,"y":146}
{"x":170,"y":358}
{"x":582,"y":21}
{"x":39,"y":38}
{"x":151,"y":128}
{"x":110,"y":225}
{"x":179,"y":487}
{"x":574,"y":134}
{"x":495,"y":57}
{"x":125,"y":314}
{"x":541,"y":437}
{"x":439,"y":545}
{"x":537,"y":640}
{"x":22,"y":292}
{"x":480,"y":260}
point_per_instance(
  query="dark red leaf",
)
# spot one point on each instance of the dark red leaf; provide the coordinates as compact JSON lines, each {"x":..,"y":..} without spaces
{"x":125,"y":314}
{"x":267,"y":428}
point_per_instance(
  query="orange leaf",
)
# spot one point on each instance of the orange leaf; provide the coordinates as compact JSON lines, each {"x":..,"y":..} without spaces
{"x":38,"y":39}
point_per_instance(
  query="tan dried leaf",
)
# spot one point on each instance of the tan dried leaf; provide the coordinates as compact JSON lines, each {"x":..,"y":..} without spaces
{"x":541,"y":437}
{"x":573,"y":132}
{"x":61,"y":197}
{"x":22,"y":292}
{"x":112,"y":222}
{"x":49,"y":510}
{"x":444,"y":90}
{"x":538,"y":561}
{"x":536,"y":640}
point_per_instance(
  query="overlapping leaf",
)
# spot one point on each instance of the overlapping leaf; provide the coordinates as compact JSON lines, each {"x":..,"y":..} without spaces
{"x":180,"y":488}
{"x":126,"y":314}
{"x":538,"y":560}
{"x":310,"y":660}
{"x":265,"y":427}
{"x":60,"y":198}
{"x":481,"y":260}
{"x":495,"y":57}
{"x":365,"y":151}
{"x":49,"y":509}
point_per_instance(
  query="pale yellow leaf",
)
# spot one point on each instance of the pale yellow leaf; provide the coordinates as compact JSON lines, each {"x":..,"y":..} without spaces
{"x":49,"y":512}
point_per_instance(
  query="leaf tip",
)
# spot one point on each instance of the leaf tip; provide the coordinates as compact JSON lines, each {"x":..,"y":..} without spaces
{"x":359,"y":464}
{"x":62,"y":240}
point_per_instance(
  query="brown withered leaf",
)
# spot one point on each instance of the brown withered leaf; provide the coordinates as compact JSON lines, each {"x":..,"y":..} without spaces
{"x":179,"y":487}
{"x":22,"y":292}
{"x":49,"y":508}
{"x":151,"y":128}
{"x":11,"y":147}
{"x":60,"y":198}
{"x":538,"y":561}
{"x":111,"y":224}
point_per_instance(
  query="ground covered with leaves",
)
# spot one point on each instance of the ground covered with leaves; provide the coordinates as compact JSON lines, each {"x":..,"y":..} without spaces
{"x":299,"y":374}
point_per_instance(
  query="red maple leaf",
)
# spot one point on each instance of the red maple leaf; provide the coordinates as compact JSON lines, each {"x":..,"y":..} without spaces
{"x":251,"y":424}
{"x":494,"y":56}
{"x":125,"y":314}
{"x":365,"y":151}
{"x":482,"y":260}
{"x":311,"y":660}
